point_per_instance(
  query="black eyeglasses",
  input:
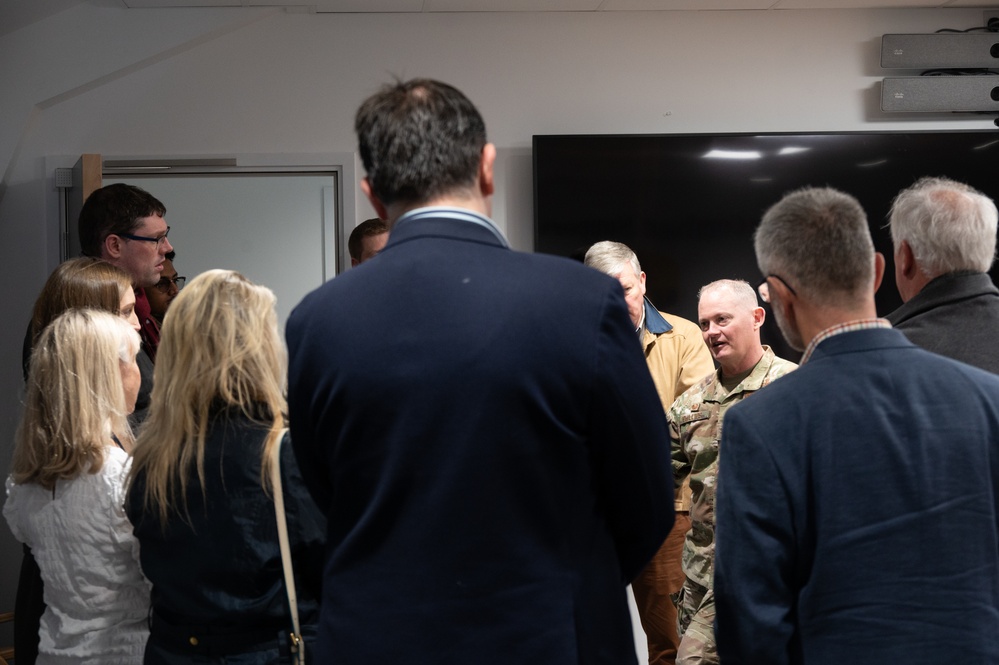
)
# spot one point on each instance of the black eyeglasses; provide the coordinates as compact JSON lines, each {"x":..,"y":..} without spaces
{"x":158,"y":239}
{"x":165,"y":282}
{"x":764,"y":289}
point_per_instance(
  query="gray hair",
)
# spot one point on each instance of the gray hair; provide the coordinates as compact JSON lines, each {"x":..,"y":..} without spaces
{"x":949,"y":226}
{"x":743,"y":291}
{"x":818,"y":242}
{"x":609,"y":257}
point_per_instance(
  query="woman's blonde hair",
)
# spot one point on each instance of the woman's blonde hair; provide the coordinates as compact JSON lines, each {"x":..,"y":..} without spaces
{"x":82,"y":282}
{"x":219,"y":348}
{"x":75,"y":401}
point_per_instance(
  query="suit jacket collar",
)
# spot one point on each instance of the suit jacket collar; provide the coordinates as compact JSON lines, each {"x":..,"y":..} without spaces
{"x":870,"y":339}
{"x":949,"y":288}
{"x":446,"y":222}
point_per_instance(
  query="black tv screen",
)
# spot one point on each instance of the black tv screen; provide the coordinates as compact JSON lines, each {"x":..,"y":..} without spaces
{"x":688,"y":203}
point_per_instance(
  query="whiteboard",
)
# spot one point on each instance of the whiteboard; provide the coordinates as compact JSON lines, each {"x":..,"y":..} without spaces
{"x":277,"y":229}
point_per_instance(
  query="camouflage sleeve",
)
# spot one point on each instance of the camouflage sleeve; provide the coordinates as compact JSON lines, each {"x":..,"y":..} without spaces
{"x":681,"y":463}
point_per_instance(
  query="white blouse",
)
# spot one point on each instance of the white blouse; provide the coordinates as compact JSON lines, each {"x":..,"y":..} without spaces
{"x":97,"y":599}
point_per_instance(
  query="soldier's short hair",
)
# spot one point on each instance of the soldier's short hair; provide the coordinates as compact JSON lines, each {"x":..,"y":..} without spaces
{"x":740,"y":288}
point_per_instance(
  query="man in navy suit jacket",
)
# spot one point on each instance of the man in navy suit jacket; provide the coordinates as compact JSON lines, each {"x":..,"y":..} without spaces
{"x":478,"y":424}
{"x":857,"y":511}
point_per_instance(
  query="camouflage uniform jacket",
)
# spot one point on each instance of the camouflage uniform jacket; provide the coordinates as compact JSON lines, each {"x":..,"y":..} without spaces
{"x":695,"y":422}
{"x":678,"y":358}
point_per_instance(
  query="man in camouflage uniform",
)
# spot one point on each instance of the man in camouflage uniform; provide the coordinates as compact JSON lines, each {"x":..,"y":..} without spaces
{"x":730,"y":321}
{"x":677,"y":359}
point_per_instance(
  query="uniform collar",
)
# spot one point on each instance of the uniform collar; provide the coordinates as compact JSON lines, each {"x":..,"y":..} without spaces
{"x":754,"y":381}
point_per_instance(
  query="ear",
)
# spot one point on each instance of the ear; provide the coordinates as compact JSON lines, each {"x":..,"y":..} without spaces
{"x":375,"y":201}
{"x":905,"y":260}
{"x":486,"y":177}
{"x":779,"y":289}
{"x":112,"y":247}
{"x":879,"y":268}
{"x":759,"y":316}
{"x":782,"y":297}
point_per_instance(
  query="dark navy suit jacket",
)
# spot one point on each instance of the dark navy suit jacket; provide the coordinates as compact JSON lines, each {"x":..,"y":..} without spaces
{"x":483,"y":432}
{"x":858,"y":511}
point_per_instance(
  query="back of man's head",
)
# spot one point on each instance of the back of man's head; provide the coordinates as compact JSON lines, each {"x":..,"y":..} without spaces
{"x":948,"y":225}
{"x":610,"y":257}
{"x":419,"y":140}
{"x":113,"y":210}
{"x":817,"y":241}
{"x":366,"y":229}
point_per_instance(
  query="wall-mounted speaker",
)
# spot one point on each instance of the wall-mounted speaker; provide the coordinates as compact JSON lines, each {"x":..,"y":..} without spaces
{"x":940,"y":93}
{"x":940,"y":51}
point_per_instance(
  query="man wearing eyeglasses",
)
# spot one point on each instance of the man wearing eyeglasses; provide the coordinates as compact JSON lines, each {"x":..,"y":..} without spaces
{"x":124,"y":225}
{"x":165,"y":290}
{"x":856,"y":505}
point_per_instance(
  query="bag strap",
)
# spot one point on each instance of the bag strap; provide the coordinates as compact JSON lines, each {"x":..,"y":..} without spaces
{"x":297,"y":647}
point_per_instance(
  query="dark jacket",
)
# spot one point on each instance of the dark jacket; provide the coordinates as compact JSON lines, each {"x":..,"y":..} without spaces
{"x":955,"y":315}
{"x":218,"y":570}
{"x":483,"y":433}
{"x":857,"y":511}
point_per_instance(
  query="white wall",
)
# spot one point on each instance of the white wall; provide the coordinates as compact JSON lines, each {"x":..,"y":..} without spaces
{"x":200,"y":82}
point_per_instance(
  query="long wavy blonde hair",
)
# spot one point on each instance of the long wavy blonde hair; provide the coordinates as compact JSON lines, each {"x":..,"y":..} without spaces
{"x":75,"y":400}
{"x":219,"y":347}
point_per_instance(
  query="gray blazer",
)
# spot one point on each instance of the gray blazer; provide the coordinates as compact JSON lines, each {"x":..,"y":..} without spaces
{"x":955,"y":315}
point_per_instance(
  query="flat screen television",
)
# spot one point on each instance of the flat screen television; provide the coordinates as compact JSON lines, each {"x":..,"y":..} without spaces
{"x":688,"y":203}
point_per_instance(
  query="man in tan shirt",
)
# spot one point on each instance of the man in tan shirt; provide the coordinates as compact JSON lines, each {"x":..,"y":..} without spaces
{"x":677,"y":359}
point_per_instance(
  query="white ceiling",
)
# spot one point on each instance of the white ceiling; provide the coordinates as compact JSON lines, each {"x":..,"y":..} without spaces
{"x":15,"y":14}
{"x":560,"y":5}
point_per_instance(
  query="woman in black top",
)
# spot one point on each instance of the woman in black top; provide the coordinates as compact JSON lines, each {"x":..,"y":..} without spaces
{"x":200,"y":497}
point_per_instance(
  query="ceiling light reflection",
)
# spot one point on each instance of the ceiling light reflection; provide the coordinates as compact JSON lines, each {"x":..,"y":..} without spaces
{"x":733,"y":154}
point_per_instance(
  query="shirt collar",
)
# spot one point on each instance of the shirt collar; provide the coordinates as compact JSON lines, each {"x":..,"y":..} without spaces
{"x":839,"y":328}
{"x":653,"y":321}
{"x":460,"y":214}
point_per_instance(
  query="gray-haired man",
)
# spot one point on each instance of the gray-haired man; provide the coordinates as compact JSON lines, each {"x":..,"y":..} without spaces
{"x":857,"y":513}
{"x":944,"y":233}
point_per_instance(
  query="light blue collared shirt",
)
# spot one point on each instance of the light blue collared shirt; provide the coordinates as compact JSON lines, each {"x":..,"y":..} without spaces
{"x":460,"y":214}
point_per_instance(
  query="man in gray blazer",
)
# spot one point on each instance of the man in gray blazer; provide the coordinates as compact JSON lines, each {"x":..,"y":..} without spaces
{"x":944,"y":233}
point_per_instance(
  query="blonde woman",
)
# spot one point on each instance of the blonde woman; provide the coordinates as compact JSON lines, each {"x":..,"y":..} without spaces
{"x":65,"y":494}
{"x":198,"y":493}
